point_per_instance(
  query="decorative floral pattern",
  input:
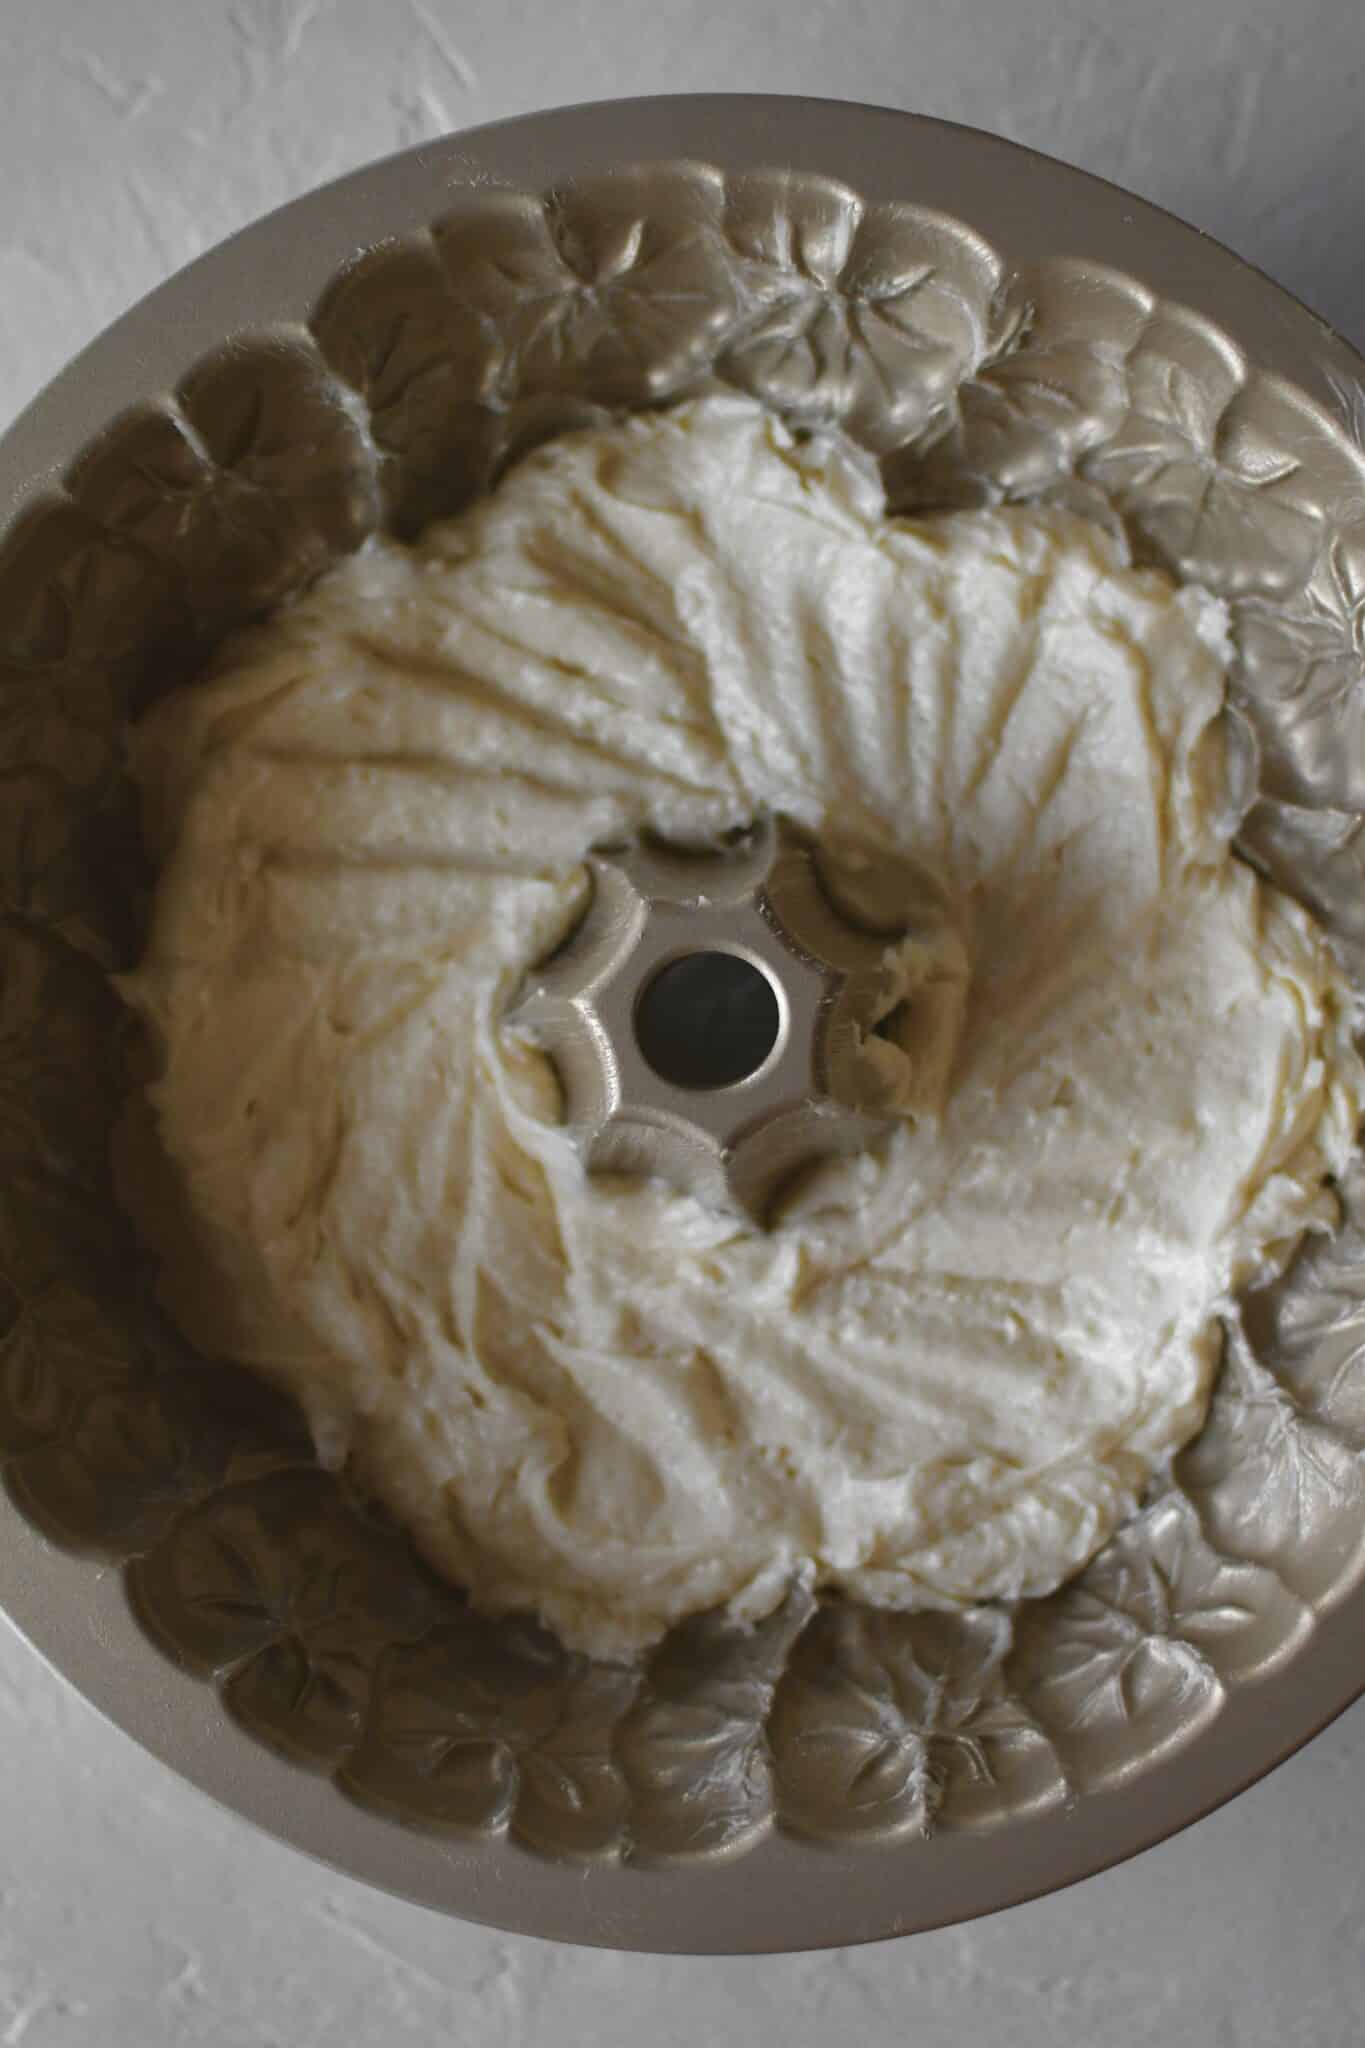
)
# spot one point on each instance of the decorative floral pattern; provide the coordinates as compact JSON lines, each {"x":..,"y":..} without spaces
{"x":158,"y":1431}
{"x":1024,"y":421}
{"x":1144,"y":1642}
{"x":427,"y":366}
{"x":423,"y":366}
{"x":74,"y":602}
{"x":1217,"y":499}
{"x":1315,"y":1330}
{"x":1308,"y":659}
{"x":1317,"y":855}
{"x":1275,"y":1482}
{"x":694,"y":1749}
{"x":889,"y":1722}
{"x":479,"y":1726}
{"x":602,"y":291}
{"x":868,"y":316}
{"x":58,"y":1346}
{"x":290,"y":1595}
{"x":230,"y":497}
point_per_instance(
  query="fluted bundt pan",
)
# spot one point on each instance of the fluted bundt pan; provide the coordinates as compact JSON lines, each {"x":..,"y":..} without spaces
{"x":994,"y":328}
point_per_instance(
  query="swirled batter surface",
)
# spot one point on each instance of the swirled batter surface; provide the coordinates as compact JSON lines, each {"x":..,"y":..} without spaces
{"x":950,"y":1367}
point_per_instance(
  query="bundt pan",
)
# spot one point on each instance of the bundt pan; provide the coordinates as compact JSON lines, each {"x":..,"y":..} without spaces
{"x":995,"y":327}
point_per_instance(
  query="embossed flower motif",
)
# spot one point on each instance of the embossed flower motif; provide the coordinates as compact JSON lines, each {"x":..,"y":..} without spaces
{"x":1318,"y":855}
{"x":283,"y":1586}
{"x":116,"y":1478}
{"x":59,"y":1347}
{"x":486,"y":1725}
{"x":1198,"y":475}
{"x":615,"y":290}
{"x":61,"y":1344}
{"x":58,"y":1018}
{"x":481,"y":1725}
{"x":257,"y":480}
{"x":58,"y":728}
{"x":1304,"y":668}
{"x":424,"y":364}
{"x":1329,"y":620}
{"x":75,"y":600}
{"x":1274,"y":1481}
{"x":1021,"y":426}
{"x":696,"y":1748}
{"x":1315,"y":1326}
{"x":1148,"y":1637}
{"x":888,"y":1722}
{"x":1033,"y":410}
{"x":866,"y":316}
{"x":73,"y":606}
{"x":156,"y":1429}
{"x":69,"y":855}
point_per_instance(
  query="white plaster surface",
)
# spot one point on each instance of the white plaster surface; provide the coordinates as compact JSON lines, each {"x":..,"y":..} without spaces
{"x":135,"y":133}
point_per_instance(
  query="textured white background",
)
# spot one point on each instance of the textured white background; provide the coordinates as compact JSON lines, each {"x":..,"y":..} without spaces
{"x":135,"y":133}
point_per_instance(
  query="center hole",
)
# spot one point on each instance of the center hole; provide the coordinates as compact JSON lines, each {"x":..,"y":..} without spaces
{"x":707,"y":1020}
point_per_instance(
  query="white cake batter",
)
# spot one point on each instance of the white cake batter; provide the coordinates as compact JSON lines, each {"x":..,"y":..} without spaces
{"x":948,"y":1371}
